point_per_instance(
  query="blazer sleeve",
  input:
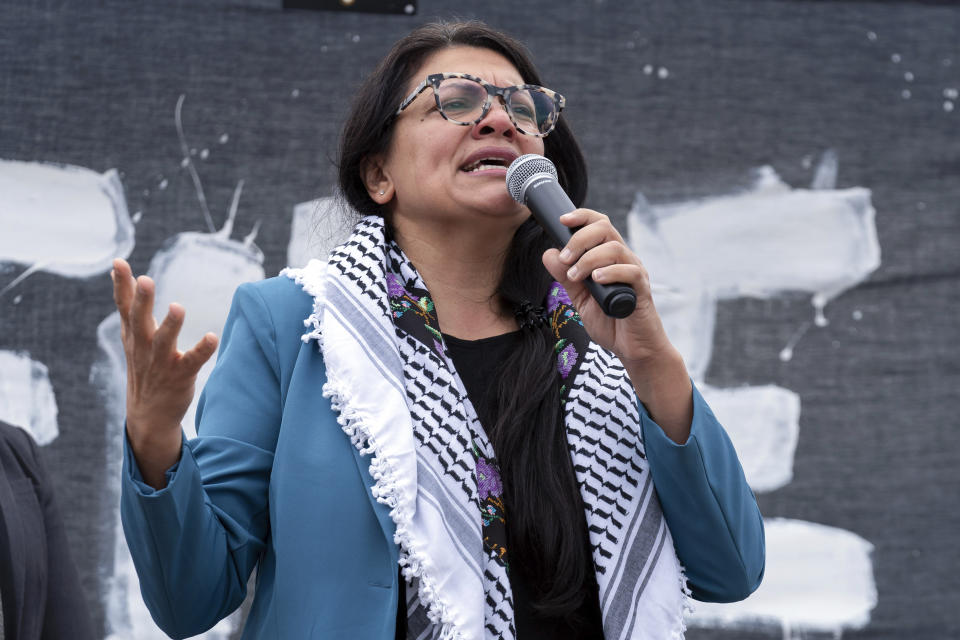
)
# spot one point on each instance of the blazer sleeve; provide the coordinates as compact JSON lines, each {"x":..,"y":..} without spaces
{"x":713,"y":515}
{"x":195,"y":542}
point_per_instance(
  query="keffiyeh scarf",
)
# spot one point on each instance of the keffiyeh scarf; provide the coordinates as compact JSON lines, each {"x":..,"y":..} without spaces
{"x":402,"y":403}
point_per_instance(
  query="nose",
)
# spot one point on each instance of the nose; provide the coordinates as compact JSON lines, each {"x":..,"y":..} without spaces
{"x":497,"y":122}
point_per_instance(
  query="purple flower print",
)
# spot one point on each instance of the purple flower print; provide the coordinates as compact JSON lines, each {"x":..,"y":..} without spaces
{"x":488,"y":480}
{"x":557,"y":296}
{"x":394,"y":288}
{"x":566,"y":359}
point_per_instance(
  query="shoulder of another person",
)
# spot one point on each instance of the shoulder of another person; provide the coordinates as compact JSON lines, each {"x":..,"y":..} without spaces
{"x":14,"y":437}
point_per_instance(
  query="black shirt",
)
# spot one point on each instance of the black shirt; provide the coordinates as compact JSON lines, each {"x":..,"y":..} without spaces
{"x":476,"y":362}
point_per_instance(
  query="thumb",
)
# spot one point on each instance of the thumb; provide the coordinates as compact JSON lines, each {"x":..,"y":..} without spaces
{"x":551,"y":260}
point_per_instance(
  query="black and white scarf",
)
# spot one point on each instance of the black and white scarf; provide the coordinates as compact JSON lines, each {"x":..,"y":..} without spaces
{"x":402,"y":403}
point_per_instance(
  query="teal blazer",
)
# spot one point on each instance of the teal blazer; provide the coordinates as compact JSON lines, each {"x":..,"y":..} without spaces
{"x":273,"y":482}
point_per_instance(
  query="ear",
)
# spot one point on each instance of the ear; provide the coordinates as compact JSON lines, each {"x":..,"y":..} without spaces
{"x":377,"y":180}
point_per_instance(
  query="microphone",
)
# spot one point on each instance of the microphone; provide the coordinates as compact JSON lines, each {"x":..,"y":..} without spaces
{"x":532,"y":181}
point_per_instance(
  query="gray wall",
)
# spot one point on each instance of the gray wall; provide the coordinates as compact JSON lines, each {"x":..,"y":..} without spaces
{"x":748,"y":84}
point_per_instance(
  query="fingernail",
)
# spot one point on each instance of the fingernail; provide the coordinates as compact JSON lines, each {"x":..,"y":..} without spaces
{"x":565,"y":255}
{"x":598,"y":275}
{"x":572,"y":273}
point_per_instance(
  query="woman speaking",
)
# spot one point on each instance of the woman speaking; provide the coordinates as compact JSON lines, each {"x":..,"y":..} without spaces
{"x":437,"y":432}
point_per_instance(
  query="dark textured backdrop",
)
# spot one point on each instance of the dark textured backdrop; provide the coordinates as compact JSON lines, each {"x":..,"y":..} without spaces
{"x":750,"y":83}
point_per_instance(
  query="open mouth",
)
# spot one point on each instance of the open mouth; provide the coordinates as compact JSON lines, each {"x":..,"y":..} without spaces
{"x":486,"y":164}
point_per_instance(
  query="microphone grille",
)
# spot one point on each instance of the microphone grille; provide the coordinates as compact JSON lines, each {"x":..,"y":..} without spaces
{"x":521,"y":169}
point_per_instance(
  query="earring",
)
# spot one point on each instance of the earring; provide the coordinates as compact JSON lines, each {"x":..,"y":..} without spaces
{"x":382,"y":192}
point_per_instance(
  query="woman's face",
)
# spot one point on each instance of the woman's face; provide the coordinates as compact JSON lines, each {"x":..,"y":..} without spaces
{"x":430,"y":166}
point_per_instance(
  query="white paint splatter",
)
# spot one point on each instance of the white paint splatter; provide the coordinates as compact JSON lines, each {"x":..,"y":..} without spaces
{"x":896,"y":58}
{"x":62,"y":219}
{"x":905,"y":94}
{"x":948,"y":106}
{"x":355,"y":38}
{"x":951,"y":93}
{"x":663,"y":73}
{"x":224,"y":138}
{"x":409,"y":9}
{"x":908,"y":76}
{"x":871,"y":36}
{"x":26,"y":396}
{"x":857,"y":314}
{"x":763,"y":424}
{"x":204,"y":154}
{"x":648,"y":69}
{"x":137,"y":217}
{"x":317,"y":227}
{"x":295,"y":93}
{"x":164,"y":183}
{"x":825,"y":175}
{"x":817,"y":579}
{"x":17,"y":299}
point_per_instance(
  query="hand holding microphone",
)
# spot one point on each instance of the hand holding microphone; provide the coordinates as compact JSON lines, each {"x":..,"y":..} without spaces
{"x":532,"y":181}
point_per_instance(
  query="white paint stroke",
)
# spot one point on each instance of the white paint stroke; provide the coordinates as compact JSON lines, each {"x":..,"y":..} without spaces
{"x":763,"y":423}
{"x":767,"y":240}
{"x":63,"y":219}
{"x":317,"y":227}
{"x":818,"y":579}
{"x":200,"y":271}
{"x":26,"y":396}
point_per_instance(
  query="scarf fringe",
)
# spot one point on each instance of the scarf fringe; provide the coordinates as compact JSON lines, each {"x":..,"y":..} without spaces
{"x":386,"y":491}
{"x":680,"y":629}
{"x":311,"y":279}
{"x":385,"y":487}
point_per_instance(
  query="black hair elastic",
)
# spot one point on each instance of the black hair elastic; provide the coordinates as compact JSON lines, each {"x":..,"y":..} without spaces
{"x":529,"y":316}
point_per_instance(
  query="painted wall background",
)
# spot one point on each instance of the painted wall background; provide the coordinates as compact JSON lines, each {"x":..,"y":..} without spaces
{"x":790,"y":168}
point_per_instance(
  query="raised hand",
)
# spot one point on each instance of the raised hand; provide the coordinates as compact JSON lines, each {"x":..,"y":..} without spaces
{"x":655,"y":367}
{"x":160,"y":378}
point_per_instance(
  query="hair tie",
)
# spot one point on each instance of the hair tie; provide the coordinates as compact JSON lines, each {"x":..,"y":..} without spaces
{"x":529,"y":316}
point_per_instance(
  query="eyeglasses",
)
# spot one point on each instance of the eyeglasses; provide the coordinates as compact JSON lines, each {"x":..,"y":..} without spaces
{"x":465,"y":99}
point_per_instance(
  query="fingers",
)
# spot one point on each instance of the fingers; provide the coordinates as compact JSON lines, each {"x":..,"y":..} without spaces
{"x":594,"y":229}
{"x":595,"y":245}
{"x":599,"y":262}
{"x":165,"y":338}
{"x":123,"y":286}
{"x":192,"y":360}
{"x":141,"y":320}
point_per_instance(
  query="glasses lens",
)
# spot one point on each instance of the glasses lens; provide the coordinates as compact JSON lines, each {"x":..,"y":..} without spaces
{"x":461,"y":100}
{"x":534,"y":110}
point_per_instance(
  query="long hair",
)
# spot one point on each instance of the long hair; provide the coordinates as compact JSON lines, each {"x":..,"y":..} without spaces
{"x":546,"y":526}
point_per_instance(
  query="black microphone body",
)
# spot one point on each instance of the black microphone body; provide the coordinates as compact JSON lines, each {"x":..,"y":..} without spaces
{"x":539,"y":190}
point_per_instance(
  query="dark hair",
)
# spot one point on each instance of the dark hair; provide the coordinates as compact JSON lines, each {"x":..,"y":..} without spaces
{"x":545,"y":519}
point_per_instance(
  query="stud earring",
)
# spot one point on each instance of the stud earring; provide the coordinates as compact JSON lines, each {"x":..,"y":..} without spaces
{"x":382,"y":192}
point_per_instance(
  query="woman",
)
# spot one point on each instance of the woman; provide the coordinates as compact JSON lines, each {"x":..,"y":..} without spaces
{"x":434,"y":418}
{"x":40,"y":593}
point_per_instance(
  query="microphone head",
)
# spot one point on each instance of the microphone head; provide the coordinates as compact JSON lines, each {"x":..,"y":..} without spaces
{"x":524,"y":168}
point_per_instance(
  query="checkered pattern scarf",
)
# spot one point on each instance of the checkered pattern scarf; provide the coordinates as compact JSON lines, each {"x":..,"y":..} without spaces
{"x":402,"y":403}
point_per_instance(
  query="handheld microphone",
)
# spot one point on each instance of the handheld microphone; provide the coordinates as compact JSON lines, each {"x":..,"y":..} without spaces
{"x":532,"y":181}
